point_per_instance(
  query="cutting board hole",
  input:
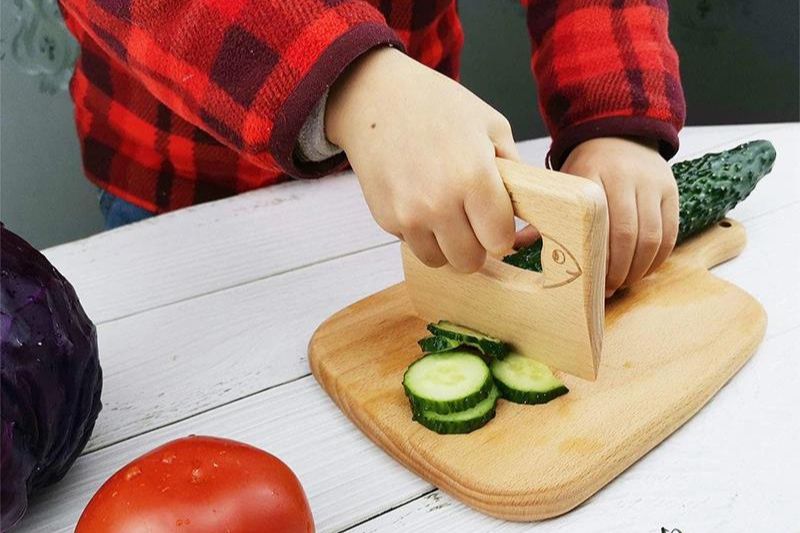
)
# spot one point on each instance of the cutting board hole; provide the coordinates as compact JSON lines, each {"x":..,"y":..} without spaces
{"x":725,"y":224}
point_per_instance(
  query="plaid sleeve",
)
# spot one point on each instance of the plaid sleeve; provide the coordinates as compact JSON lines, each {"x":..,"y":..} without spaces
{"x":248,"y":72}
{"x":605,"y":68}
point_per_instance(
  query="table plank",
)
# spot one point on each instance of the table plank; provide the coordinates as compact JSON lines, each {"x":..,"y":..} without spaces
{"x":237,"y":240}
{"x":205,"y":248}
{"x":297,"y":422}
{"x":730,"y":468}
{"x":782,"y":186}
{"x":185,"y":358}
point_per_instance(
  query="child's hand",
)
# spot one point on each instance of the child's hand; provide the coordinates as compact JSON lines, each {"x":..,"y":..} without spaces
{"x":642,"y":204}
{"x":424,"y":149}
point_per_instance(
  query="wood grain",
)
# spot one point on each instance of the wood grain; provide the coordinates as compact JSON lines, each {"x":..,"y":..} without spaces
{"x":557,"y":314}
{"x":671,"y":342}
{"x":188,"y":357}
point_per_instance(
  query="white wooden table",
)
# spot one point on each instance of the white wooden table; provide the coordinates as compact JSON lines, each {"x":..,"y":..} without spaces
{"x":204,"y":316}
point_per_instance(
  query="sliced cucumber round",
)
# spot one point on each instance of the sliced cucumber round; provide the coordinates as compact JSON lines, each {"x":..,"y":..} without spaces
{"x":447,"y":382}
{"x":484,"y":343}
{"x":463,"y":421}
{"x":434,"y":344}
{"x":521,"y":379}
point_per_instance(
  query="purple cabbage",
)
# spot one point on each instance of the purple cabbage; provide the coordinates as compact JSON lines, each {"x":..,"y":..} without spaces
{"x":51,"y":376}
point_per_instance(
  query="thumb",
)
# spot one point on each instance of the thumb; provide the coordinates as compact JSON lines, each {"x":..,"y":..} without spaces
{"x":503,"y":140}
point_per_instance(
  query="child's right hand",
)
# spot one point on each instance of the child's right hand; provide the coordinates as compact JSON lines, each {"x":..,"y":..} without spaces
{"x":424,"y":150}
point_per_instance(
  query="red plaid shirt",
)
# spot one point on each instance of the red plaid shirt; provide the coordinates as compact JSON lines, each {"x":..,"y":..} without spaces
{"x":183,"y":101}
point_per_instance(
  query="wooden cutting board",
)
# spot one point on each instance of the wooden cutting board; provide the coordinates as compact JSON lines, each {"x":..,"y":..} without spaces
{"x":670,"y":343}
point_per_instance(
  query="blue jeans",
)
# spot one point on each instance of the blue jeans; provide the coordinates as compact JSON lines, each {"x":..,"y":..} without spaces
{"x":117,"y":212}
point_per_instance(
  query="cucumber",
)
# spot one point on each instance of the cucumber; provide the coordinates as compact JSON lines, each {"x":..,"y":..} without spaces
{"x":435,"y":344}
{"x":484,"y":343}
{"x":464,"y":421}
{"x":447,"y":382}
{"x":529,"y":257}
{"x":712,"y":185}
{"x":521,"y":379}
{"x":708,"y":187}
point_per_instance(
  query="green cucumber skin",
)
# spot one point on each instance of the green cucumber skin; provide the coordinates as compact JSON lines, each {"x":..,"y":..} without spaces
{"x":446,"y":427}
{"x":529,"y":257}
{"x":437,"y":344}
{"x":419,"y":404}
{"x":497,"y":349}
{"x":529,"y":397}
{"x":713,"y":184}
{"x":708,"y":187}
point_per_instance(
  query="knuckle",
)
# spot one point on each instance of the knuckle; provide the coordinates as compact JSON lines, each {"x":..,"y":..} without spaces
{"x":435,"y":202}
{"x":476,"y":172}
{"x":502,"y":124}
{"x":409,"y":219}
{"x":389,"y":225}
{"x":650,"y":238}
{"x":625,"y":232}
{"x":476,"y":180}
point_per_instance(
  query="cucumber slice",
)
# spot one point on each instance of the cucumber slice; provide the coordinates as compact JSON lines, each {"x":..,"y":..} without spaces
{"x":484,"y":343}
{"x":464,"y":421}
{"x":447,"y":382}
{"x":521,"y":379}
{"x":434,"y":344}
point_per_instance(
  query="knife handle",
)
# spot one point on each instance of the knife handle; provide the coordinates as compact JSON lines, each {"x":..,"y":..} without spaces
{"x":567,"y":208}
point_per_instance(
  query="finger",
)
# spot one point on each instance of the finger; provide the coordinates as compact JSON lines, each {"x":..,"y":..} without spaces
{"x":503,"y":139}
{"x":648,"y":238}
{"x":459,"y":243}
{"x":423,"y":244}
{"x":490,"y":213}
{"x":669,"y":225}
{"x":526,"y":236}
{"x":623,"y":224}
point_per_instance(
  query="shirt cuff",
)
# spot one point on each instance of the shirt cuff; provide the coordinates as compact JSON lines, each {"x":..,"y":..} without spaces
{"x":649,"y":128}
{"x":300,"y":104}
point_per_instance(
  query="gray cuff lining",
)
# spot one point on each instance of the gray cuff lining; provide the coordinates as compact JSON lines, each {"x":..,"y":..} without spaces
{"x":312,"y":145}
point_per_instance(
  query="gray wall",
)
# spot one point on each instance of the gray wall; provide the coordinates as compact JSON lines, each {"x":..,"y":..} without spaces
{"x":43,"y":194}
{"x":739,"y":63}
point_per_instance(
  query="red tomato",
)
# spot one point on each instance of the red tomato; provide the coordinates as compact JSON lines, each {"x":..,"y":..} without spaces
{"x":200,"y":485}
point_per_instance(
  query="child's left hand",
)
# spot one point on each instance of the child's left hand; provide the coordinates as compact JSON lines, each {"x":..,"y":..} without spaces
{"x":642,"y":204}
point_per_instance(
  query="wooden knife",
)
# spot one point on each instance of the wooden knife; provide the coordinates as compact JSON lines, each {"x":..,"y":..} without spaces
{"x":555,"y":317}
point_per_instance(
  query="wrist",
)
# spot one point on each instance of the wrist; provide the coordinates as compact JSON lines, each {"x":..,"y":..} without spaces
{"x":616,"y":145}
{"x":348,"y":101}
{"x":644,"y":141}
